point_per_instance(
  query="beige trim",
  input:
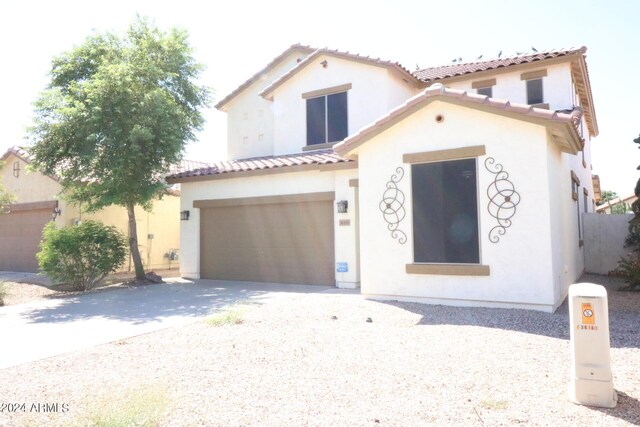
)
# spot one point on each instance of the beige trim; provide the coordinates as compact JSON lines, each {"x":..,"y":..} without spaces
{"x":483,"y":83}
{"x":327,"y":91}
{"x":449,"y":269}
{"x":584,"y":164}
{"x":266,"y":200}
{"x":270,"y":171}
{"x":50,"y":204}
{"x":354,"y":183}
{"x":319,"y":146}
{"x":543,"y":105}
{"x":451,"y":154}
{"x":537,"y":74}
{"x":575,"y":178}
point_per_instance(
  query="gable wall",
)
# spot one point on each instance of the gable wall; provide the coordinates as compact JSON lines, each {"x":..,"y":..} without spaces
{"x":249,"y":115}
{"x":29,"y":186}
{"x":521,"y":263}
{"x":375,"y":90}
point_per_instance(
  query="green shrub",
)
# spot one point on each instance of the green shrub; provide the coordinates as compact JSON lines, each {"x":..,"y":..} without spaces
{"x":629,"y":270}
{"x":81,"y":255}
{"x":3,"y":293}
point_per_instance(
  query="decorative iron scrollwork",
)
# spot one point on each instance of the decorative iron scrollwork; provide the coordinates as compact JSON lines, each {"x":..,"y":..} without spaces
{"x":392,"y":206}
{"x":503,"y":199}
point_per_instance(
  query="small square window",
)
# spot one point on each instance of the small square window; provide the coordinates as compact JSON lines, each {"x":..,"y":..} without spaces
{"x":486,"y":91}
{"x":534,"y":92}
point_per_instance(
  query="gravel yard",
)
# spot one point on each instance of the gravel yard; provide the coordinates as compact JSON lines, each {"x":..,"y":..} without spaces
{"x":313,"y":359}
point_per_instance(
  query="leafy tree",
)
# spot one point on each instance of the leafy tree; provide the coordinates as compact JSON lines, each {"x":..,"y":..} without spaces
{"x":116,"y":115}
{"x":81,"y":255}
{"x":607,"y":196}
{"x":6,"y":198}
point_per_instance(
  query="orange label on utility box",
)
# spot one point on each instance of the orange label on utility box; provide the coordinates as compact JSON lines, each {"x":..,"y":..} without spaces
{"x":588,"y":316}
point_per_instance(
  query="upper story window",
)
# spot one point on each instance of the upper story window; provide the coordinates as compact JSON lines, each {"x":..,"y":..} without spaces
{"x":487,"y":91}
{"x":534,"y":92}
{"x":327,"y":119}
{"x":533,"y":81}
{"x":484,"y":87}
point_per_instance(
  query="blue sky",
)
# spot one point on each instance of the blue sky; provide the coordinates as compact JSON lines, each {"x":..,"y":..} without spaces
{"x":236,"y":39}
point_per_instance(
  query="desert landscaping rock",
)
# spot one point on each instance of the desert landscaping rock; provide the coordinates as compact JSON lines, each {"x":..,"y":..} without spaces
{"x":290,"y":362}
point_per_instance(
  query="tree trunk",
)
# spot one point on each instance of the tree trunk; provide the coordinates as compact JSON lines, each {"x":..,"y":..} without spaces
{"x":133,"y":242}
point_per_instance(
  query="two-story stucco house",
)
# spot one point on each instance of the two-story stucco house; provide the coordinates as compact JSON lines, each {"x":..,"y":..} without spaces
{"x":462,"y":184}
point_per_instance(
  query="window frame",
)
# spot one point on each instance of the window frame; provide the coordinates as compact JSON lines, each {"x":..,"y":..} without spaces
{"x":445,"y":268}
{"x":325,"y":94}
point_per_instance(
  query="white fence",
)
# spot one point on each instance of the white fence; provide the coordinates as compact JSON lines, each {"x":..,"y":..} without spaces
{"x":604,"y":241}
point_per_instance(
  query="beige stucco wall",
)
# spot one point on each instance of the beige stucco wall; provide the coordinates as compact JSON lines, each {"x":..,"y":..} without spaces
{"x":28,"y":186}
{"x":163,"y":222}
{"x":250,"y":117}
{"x":521,"y":263}
{"x":375,"y":91}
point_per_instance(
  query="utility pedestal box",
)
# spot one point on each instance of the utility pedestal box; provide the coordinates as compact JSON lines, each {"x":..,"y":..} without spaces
{"x":591,"y":382}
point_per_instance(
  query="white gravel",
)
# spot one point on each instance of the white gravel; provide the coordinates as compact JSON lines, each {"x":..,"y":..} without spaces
{"x":291,"y":363}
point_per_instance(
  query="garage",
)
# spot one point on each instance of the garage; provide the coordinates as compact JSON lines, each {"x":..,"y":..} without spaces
{"x":281,"y":239}
{"x":21,"y":233}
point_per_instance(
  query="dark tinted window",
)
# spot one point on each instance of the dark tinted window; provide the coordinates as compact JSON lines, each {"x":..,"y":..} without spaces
{"x":534,"y":92}
{"x":487,"y":91}
{"x":316,"y":121}
{"x":337,"y":116}
{"x":445,"y":212}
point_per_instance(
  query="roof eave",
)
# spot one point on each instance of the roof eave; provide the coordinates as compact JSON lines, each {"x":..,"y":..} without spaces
{"x":267,"y":93}
{"x":222,"y":103}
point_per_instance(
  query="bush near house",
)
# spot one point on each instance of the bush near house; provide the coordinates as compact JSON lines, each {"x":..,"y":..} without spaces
{"x":3,"y":293}
{"x":81,"y":255}
{"x":629,"y":267}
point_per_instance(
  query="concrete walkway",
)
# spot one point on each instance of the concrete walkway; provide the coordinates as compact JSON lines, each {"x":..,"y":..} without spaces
{"x":46,"y":328}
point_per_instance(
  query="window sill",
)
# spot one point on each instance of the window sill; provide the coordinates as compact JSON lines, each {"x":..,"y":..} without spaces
{"x":319,"y":146}
{"x":449,"y":269}
{"x":542,"y":105}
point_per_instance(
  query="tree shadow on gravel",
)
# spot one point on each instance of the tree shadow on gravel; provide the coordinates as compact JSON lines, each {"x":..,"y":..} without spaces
{"x":150,"y":303}
{"x":624,"y":316}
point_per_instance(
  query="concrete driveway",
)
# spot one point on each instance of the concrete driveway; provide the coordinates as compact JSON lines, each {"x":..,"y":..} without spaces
{"x":46,"y":328}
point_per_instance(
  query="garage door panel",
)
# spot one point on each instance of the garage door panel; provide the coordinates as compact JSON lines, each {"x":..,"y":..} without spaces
{"x":20,"y":236}
{"x":282,"y":242}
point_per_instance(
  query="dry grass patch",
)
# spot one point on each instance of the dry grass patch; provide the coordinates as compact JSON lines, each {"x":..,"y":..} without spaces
{"x":232,"y":315}
{"x":140,"y":407}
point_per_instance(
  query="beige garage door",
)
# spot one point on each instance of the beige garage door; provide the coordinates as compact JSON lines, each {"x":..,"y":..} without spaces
{"x":20,"y":235}
{"x":269,"y":239}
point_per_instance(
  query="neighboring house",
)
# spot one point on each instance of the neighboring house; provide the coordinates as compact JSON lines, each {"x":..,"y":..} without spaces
{"x":462,"y":184}
{"x":37,"y":203}
{"x":617,"y":205}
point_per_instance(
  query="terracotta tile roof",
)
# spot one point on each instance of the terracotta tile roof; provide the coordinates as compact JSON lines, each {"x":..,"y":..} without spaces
{"x":447,"y":71}
{"x":19,"y":152}
{"x":320,"y":157}
{"x":438,"y":90}
{"x":339,"y":54}
{"x":256,"y":76}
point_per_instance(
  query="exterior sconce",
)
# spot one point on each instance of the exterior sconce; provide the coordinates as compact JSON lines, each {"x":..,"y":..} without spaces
{"x":324,"y":64}
{"x":55,"y":213}
{"x":184,"y":216}
{"x":343,"y":205}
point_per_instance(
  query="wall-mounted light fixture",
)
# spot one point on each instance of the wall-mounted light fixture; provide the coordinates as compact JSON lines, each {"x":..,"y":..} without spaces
{"x":184,"y":216}
{"x":343,"y":206}
{"x":55,"y":213}
{"x":324,"y":64}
